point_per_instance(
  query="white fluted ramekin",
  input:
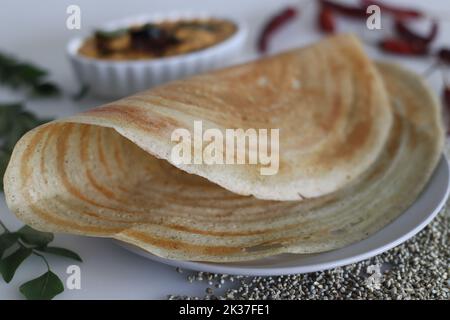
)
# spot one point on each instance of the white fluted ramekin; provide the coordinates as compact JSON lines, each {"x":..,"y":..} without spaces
{"x":115,"y":79}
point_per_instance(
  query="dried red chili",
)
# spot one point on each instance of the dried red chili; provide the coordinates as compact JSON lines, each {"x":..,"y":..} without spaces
{"x":444,"y":55}
{"x":400,"y":13}
{"x":403,"y":47}
{"x":344,"y":9}
{"x":447,"y":96}
{"x":326,"y":20}
{"x":275,"y":23}
{"x":405,"y":32}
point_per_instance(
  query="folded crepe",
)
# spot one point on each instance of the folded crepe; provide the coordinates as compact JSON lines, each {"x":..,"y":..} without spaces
{"x":358,"y":142}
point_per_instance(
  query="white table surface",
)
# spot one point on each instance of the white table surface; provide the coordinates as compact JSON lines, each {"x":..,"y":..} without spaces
{"x":35,"y":31}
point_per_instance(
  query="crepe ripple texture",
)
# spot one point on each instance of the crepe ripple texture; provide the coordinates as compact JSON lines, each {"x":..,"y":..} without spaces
{"x":358,"y":142}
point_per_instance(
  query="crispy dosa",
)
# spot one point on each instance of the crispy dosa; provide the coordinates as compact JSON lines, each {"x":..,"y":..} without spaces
{"x":105,"y":173}
{"x":327,"y":101}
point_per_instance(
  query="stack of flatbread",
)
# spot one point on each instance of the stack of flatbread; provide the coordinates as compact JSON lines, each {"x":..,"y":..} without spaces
{"x":358,"y":141}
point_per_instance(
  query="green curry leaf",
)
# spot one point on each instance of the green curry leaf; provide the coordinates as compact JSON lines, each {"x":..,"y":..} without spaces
{"x":45,"y":287}
{"x":34,"y":237}
{"x":7,"y":240}
{"x":9,"y":265}
{"x":61,"y":252}
{"x":18,"y":74}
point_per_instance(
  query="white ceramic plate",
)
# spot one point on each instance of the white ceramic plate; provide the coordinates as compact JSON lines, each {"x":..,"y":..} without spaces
{"x":426,"y":207}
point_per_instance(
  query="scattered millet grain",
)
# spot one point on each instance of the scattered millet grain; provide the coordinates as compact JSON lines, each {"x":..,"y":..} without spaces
{"x":417,"y":269}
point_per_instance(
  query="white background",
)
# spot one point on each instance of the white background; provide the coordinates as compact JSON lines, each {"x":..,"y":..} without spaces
{"x":35,"y":31}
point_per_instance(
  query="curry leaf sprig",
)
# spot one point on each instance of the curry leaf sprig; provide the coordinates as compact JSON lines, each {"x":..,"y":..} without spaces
{"x":23,"y":75}
{"x":18,"y":246}
{"x":15,"y":121}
